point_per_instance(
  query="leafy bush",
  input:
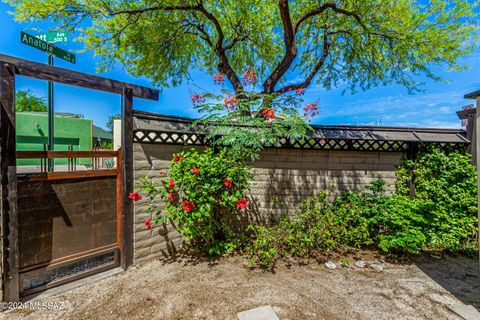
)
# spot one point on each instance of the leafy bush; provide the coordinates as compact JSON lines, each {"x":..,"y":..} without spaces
{"x":442,"y":215}
{"x":318,"y":227}
{"x":446,"y":196}
{"x":202,"y":194}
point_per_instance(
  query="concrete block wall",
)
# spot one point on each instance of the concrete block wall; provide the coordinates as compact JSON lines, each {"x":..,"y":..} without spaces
{"x":284,"y":178}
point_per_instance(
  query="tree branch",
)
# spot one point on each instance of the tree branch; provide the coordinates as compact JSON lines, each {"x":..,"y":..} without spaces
{"x":224,"y":65}
{"x":156,"y":8}
{"x":313,"y":73}
{"x":290,"y":31}
{"x":237,"y":39}
{"x":200,"y":31}
{"x":324,"y":7}
{"x":290,"y":48}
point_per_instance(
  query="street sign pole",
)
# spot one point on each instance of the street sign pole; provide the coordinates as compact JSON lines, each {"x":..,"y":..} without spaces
{"x":45,"y":42}
{"x":51,"y":114}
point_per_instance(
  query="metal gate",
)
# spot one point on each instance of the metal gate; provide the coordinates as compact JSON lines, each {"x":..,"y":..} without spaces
{"x":68,"y":222}
{"x":54,"y":228}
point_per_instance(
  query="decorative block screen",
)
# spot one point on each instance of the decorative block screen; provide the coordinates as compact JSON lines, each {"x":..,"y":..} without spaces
{"x":194,"y":139}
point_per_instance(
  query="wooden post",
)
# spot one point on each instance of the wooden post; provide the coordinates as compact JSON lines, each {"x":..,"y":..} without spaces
{"x":8,"y":187}
{"x":127,"y":177}
{"x":119,"y":197}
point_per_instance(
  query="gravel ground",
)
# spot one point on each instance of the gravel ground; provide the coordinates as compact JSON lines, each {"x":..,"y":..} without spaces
{"x":218,"y":290}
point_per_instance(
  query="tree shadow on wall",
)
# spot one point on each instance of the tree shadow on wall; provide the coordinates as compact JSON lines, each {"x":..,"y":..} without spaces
{"x":283,"y":183}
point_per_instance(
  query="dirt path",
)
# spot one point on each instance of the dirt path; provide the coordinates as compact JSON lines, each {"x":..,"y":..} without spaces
{"x":185,"y":290}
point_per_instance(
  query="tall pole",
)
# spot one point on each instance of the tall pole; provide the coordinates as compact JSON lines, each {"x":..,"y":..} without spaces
{"x":51,"y":140}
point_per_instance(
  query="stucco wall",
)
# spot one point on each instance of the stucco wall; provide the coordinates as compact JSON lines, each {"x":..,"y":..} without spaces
{"x":284,"y":178}
{"x":32,"y":134}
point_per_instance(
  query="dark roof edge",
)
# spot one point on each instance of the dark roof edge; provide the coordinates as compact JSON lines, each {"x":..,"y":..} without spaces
{"x":472,"y":95}
{"x":165,"y":117}
{"x":466,"y":113}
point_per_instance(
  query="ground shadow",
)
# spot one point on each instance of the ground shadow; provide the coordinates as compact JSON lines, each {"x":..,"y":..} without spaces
{"x":459,"y":275}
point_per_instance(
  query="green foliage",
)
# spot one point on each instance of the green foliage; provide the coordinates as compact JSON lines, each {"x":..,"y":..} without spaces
{"x":442,"y":216}
{"x":109,"y":164}
{"x":244,"y":129}
{"x":106,"y":145}
{"x":446,"y":190}
{"x":345,"y":262}
{"x":316,"y":228}
{"x":109,"y":123}
{"x":202,"y":204}
{"x":370,"y":42}
{"x":355,"y":44}
{"x":26,"y":101}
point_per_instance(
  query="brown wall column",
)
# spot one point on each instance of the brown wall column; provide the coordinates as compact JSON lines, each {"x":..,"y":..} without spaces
{"x":8,"y":187}
{"x":127,"y":175}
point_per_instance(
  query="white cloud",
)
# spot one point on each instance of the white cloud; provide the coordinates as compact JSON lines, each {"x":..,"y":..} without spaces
{"x":433,"y":110}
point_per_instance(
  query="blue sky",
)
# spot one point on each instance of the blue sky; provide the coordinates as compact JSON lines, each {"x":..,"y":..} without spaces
{"x":390,"y":105}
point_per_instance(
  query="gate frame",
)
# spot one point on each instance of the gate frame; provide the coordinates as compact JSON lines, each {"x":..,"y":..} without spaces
{"x":11,"y":67}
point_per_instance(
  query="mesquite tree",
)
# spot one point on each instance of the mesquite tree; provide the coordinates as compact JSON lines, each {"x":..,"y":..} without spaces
{"x":354,"y":43}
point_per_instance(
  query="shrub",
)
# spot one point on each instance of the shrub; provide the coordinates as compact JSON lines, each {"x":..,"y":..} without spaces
{"x":202,"y":194}
{"x":446,"y":196}
{"x":316,"y":228}
{"x":442,"y":215}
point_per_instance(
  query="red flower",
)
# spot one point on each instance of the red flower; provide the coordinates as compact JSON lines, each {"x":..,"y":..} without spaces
{"x":172,"y":184}
{"x":242,"y":203}
{"x":148,"y":223}
{"x":311,"y":109}
{"x":300,"y":91}
{"x":162,"y":173}
{"x":135,"y":196}
{"x":171,"y":196}
{"x":268,"y":114}
{"x":218,"y":78}
{"x":195,"y":170}
{"x":230,"y":102}
{"x":249,"y":77}
{"x":228,"y":183}
{"x":177,"y":159}
{"x":197,"y":99}
{"x":188,"y":205}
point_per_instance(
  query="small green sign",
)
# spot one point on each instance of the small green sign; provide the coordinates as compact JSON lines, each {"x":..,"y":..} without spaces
{"x":46,"y":47}
{"x":53,"y":37}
